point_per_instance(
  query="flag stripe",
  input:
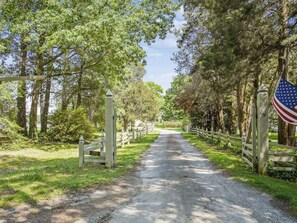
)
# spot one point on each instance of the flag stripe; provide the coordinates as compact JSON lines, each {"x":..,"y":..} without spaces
{"x":283,"y":115}
{"x":289,"y":112}
{"x":285,"y":101}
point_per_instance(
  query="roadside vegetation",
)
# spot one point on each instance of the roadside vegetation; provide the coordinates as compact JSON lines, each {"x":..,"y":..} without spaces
{"x":228,"y":159}
{"x":43,"y":171}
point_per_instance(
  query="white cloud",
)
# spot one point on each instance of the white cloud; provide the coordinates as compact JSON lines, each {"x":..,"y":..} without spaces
{"x":154,"y":54}
{"x":168,"y":43}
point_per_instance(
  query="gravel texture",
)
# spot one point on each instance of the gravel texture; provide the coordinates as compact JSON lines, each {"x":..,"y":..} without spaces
{"x":180,"y":185}
{"x":173,"y":183}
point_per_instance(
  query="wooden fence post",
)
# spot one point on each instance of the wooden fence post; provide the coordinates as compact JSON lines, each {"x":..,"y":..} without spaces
{"x":133,"y":134}
{"x":81,"y":151}
{"x":102,"y":141}
{"x":109,"y":130}
{"x":115,"y":136}
{"x":262,"y":126}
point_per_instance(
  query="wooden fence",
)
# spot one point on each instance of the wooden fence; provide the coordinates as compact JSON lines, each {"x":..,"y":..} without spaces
{"x":279,"y":157}
{"x":104,"y":150}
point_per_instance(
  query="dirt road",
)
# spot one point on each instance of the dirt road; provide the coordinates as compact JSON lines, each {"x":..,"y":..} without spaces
{"x":174,"y":183}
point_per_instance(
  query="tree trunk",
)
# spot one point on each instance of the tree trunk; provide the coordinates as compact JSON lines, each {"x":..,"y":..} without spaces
{"x":36,"y":91}
{"x":240,"y":110}
{"x":21,"y":99}
{"x":282,"y":68}
{"x":64,"y":94}
{"x":44,"y":114}
{"x":78,"y":104}
{"x":126,"y":122}
{"x":220,"y":115}
{"x":33,"y":114}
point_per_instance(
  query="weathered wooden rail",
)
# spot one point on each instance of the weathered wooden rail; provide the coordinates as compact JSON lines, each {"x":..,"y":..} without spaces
{"x":279,"y":157}
{"x":95,"y":152}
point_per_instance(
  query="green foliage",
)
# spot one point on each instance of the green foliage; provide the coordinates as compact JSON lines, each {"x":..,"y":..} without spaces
{"x":137,"y":101}
{"x":10,"y":129}
{"x":69,"y":125}
{"x":46,"y":171}
{"x":169,"y":124}
{"x":170,"y":111}
{"x":284,"y":175}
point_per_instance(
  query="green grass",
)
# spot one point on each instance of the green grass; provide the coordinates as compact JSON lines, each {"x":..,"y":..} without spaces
{"x":227,"y":160}
{"x":46,"y":171}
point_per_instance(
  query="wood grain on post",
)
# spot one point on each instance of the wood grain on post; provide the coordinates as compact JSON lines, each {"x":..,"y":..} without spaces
{"x":115,"y":135}
{"x":109,"y":130}
{"x":81,"y":151}
{"x":262,"y":126}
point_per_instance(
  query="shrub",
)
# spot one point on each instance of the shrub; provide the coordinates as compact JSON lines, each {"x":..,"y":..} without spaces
{"x":67,"y":126}
{"x":169,"y":124}
{"x":10,"y":129}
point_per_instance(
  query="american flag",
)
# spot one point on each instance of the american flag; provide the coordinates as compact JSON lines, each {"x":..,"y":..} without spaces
{"x":285,"y":101}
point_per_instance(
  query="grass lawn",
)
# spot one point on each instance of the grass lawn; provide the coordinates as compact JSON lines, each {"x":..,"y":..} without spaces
{"x":239,"y":170}
{"x":45,"y":171}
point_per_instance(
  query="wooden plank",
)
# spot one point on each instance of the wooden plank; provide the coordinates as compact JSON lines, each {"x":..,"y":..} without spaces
{"x":92,"y":147}
{"x":282,"y":158}
{"x":278,"y":168}
{"x":248,"y":152}
{"x":87,"y":160}
{"x":247,"y":161}
{"x":250,"y":146}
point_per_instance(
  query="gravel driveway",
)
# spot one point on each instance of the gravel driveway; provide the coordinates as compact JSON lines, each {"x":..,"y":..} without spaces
{"x":180,"y":185}
{"x":174,"y":183}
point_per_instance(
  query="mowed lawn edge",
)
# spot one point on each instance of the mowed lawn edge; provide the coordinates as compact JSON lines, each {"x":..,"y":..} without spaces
{"x":284,"y":191}
{"x":30,"y":175}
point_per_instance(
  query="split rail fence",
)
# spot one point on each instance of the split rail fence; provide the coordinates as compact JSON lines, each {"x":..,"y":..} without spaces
{"x":104,"y":149}
{"x":256,"y":150}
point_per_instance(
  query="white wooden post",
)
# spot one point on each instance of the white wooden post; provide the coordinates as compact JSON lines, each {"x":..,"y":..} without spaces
{"x":133,"y":134}
{"x":147,"y":129}
{"x":109,"y":130}
{"x":115,"y":136}
{"x":262,"y":126}
{"x":81,"y":151}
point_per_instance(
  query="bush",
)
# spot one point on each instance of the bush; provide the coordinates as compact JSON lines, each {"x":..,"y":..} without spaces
{"x":67,"y":126}
{"x":169,"y":124}
{"x":10,"y":129}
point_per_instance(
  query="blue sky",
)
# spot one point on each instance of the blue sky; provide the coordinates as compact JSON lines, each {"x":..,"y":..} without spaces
{"x":160,"y":67}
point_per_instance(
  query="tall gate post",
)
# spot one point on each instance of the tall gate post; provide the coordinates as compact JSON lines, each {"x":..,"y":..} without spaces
{"x":115,"y":135}
{"x":109,"y":132}
{"x":262,"y":126}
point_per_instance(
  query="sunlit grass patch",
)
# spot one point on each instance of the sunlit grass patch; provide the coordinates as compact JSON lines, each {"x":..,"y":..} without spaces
{"x":45,"y":171}
{"x":231,"y":162}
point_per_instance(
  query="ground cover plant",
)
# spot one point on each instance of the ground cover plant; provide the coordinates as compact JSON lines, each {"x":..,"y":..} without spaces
{"x":227,"y":160}
{"x":43,"y":171}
